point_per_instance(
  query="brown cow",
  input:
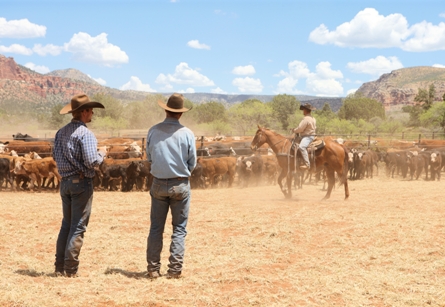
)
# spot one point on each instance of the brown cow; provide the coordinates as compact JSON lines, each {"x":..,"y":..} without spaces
{"x":222,"y":166}
{"x":43,"y":148}
{"x":435,"y":165}
{"x":38,"y":169}
{"x":431,"y":144}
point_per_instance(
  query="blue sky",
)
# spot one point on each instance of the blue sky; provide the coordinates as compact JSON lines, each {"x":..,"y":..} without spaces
{"x":323,"y":48}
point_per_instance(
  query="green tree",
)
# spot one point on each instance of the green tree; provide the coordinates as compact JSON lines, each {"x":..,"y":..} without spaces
{"x":209,"y":112}
{"x":357,"y":106}
{"x":326,"y":112}
{"x":113,"y":107}
{"x":435,"y":116}
{"x":283,"y":107}
{"x":414,"y":115}
{"x":426,"y":98}
{"x":245,"y":117}
{"x":55,"y":120}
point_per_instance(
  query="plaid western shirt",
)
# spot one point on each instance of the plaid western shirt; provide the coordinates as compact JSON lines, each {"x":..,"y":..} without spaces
{"x":75,"y":150}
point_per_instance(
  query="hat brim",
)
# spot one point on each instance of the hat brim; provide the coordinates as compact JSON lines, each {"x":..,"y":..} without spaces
{"x":165,"y":107}
{"x":92,"y":104}
{"x":305,"y":108}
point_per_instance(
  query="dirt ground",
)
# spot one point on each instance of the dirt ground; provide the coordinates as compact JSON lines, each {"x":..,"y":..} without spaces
{"x":245,"y":247}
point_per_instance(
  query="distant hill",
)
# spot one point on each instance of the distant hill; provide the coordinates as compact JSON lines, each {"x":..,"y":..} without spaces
{"x":401,"y":86}
{"x":71,"y":74}
{"x":22,"y":88}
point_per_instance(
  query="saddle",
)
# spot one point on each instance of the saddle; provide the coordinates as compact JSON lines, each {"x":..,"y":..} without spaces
{"x":314,"y":146}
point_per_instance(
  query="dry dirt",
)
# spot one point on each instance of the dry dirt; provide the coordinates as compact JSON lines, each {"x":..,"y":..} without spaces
{"x":245,"y":247}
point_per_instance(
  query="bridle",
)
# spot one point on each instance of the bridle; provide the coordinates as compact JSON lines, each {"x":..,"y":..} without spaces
{"x":260,"y":135}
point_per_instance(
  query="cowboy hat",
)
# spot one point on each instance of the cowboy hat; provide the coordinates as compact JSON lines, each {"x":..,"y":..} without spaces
{"x":307,"y":106}
{"x":80,"y":102}
{"x":174,"y":104}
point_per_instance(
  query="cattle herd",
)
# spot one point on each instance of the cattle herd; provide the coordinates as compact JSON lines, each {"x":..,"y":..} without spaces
{"x":26,"y":163}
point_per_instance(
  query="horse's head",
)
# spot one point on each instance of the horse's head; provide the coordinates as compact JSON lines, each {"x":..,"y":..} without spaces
{"x":259,"y":139}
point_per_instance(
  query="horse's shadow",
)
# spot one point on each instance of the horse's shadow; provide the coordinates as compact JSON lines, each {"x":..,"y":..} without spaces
{"x":135,"y":275}
{"x":32,"y":273}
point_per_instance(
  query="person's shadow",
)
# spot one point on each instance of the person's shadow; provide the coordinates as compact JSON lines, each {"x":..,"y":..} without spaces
{"x":135,"y":275}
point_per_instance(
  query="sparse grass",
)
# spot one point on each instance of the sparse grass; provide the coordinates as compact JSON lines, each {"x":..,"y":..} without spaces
{"x":245,"y":247}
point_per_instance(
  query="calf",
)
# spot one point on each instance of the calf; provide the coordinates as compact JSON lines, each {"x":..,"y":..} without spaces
{"x":436,"y":165}
{"x":214,"y":167}
{"x":38,"y":169}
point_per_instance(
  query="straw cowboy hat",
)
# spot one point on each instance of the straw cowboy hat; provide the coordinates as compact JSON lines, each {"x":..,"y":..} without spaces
{"x":80,"y":102}
{"x":307,"y":106}
{"x":174,"y":104}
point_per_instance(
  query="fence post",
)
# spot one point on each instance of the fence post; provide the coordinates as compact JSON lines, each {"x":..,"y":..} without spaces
{"x":202,"y":141}
{"x":420,"y":135}
{"x":433,"y":135}
{"x":369,"y":141}
{"x":143,"y":148}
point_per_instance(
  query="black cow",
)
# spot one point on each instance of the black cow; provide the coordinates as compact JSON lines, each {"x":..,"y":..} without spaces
{"x":416,"y":164}
{"x":250,"y":167}
{"x":5,"y":173}
{"x":197,"y":179}
{"x":23,"y":137}
{"x":132,"y":171}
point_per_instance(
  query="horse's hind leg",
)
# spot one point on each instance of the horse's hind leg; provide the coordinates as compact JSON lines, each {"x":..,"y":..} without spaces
{"x":330,"y":174}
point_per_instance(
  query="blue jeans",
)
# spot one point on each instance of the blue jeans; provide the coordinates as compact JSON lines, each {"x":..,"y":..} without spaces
{"x":304,"y":143}
{"x":77,"y":198}
{"x":168,"y":194}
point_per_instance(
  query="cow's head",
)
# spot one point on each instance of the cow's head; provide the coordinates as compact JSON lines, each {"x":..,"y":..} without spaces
{"x":434,"y":157}
{"x":3,"y":147}
{"x":18,"y":168}
{"x":248,"y":163}
{"x":350,"y":157}
{"x":232,"y":152}
{"x":134,"y":148}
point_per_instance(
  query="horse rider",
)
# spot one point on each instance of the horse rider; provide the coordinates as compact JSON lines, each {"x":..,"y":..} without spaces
{"x":306,"y":129}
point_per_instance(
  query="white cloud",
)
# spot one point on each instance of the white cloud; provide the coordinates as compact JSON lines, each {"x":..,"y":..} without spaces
{"x":351,"y":91}
{"x":376,"y":66}
{"x":38,"y":68}
{"x":247,"y":70}
{"x":322,"y":87}
{"x":217,"y":91}
{"x":369,"y":29}
{"x":16,"y":48}
{"x":197,"y":45}
{"x":98,"y":80}
{"x":97,"y":50}
{"x":136,"y":84}
{"x":426,"y":37}
{"x":188,"y":90}
{"x":248,"y":85}
{"x":439,"y":65}
{"x":20,"y":29}
{"x":322,"y":82}
{"x":47,"y":49}
{"x":184,"y":75}
{"x":442,"y":15}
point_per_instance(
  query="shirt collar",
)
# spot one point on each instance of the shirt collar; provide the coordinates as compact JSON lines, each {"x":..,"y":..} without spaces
{"x":171,"y":120}
{"x":79,"y":122}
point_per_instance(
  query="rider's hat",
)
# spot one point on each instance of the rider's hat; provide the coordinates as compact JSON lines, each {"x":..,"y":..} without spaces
{"x":307,"y":106}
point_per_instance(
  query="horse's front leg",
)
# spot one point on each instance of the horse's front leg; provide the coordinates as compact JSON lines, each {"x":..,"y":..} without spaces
{"x":280,"y":183}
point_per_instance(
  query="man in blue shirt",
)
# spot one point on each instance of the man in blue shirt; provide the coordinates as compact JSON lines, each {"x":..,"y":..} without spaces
{"x":75,"y":152}
{"x":171,"y":150}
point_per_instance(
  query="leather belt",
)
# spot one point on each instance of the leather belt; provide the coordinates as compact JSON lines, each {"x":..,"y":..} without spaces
{"x":175,"y":178}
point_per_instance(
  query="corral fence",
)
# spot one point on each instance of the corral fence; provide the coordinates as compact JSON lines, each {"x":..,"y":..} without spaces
{"x":368,"y":140}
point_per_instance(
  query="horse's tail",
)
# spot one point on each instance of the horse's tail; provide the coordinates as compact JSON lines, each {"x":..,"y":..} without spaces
{"x":344,"y":176}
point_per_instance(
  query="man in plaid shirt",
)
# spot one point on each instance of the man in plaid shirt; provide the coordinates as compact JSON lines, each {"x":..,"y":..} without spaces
{"x":75,"y":152}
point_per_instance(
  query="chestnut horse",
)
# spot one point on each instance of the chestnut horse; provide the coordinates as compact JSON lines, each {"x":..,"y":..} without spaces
{"x":333,"y":157}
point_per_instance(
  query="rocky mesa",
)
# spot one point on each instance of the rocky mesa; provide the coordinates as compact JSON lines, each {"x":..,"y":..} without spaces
{"x":399,"y":87}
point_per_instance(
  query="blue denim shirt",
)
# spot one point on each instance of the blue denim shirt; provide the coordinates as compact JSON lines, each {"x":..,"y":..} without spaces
{"x":75,"y":150}
{"x":171,"y":149}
